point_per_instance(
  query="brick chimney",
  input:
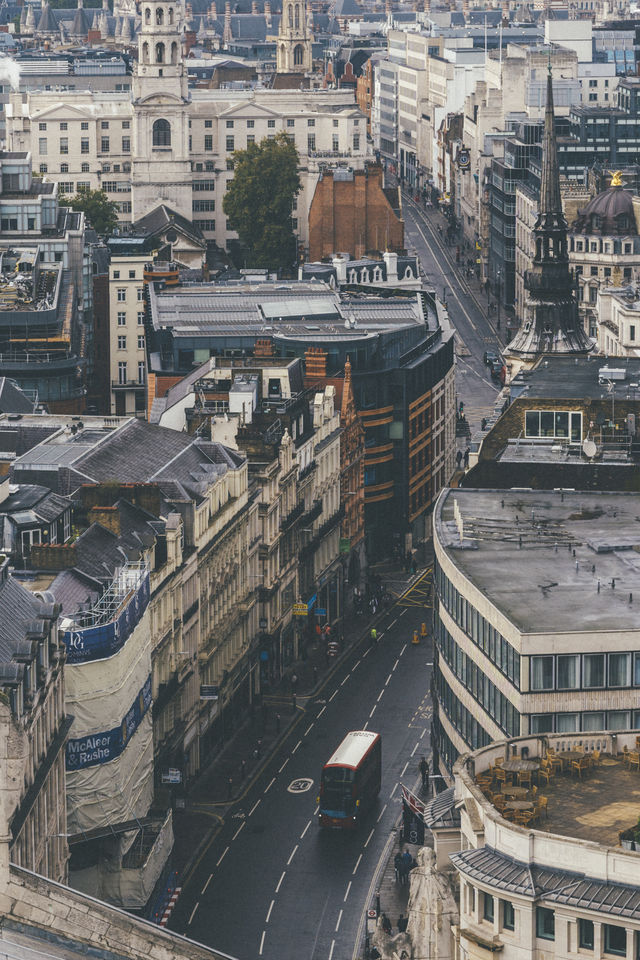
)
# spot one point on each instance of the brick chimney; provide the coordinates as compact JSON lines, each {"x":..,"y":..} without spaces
{"x":263,"y":347}
{"x":52,"y":556}
{"x":108,"y":517}
{"x":254,"y":8}
{"x":267,"y":13}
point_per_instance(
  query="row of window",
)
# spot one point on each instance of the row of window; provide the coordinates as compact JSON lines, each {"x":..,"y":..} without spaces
{"x":614,"y":936}
{"x":84,"y":125}
{"x":485,"y":636}
{"x":588,"y":671}
{"x":588,"y":722}
{"x":122,"y":342}
{"x":122,"y":294}
{"x":123,"y":375}
{"x":492,"y":700}
{"x":464,"y":722}
{"x":560,"y":424}
{"x":122,"y":318}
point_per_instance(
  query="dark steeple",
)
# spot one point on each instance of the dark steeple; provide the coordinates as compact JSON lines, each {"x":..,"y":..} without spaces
{"x":551,"y":323}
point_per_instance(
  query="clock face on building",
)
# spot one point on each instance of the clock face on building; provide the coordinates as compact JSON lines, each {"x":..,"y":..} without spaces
{"x":172,"y":236}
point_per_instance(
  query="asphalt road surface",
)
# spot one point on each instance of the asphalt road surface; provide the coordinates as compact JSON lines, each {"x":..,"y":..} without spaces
{"x":272,"y":883}
{"x":475,"y":333}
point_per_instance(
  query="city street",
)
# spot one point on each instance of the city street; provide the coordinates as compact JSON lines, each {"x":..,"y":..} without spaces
{"x":475,"y":332}
{"x":270,"y":876}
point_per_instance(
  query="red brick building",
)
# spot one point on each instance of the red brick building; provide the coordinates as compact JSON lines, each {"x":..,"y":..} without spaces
{"x":353,"y":211}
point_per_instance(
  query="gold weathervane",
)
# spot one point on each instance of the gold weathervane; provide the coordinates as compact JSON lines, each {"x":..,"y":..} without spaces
{"x":616,"y":179}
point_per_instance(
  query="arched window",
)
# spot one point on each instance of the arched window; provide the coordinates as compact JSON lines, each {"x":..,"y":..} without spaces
{"x":297,"y":16}
{"x":290,"y":15}
{"x":170,"y":15}
{"x":145,"y":52}
{"x":159,"y":52}
{"x":147,"y":14}
{"x":162,"y":133}
{"x":298,"y":55}
{"x":159,"y":16}
{"x":174,"y":52}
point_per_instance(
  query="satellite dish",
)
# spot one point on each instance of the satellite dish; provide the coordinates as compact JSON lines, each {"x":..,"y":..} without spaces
{"x":589,"y":448}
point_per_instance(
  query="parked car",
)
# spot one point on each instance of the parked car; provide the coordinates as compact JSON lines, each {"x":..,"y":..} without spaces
{"x":497,"y":370}
{"x":491,"y":356}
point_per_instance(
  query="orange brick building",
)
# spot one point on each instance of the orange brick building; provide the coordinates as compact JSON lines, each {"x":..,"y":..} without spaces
{"x":364,"y":92}
{"x":352,"y":211}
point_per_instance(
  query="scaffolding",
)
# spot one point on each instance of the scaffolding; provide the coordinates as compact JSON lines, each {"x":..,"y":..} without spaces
{"x":122,"y":589}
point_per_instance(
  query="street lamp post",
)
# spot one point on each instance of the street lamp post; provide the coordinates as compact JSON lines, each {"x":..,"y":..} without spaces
{"x":498,"y":275}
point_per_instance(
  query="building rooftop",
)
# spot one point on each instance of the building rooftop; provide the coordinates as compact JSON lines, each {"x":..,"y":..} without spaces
{"x":580,"y":378}
{"x":550,"y":561}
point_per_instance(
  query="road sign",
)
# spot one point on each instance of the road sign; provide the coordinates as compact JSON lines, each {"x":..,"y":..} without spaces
{"x":321,"y":612}
{"x":300,"y":610}
{"x":172,"y":776}
{"x":209,"y":691}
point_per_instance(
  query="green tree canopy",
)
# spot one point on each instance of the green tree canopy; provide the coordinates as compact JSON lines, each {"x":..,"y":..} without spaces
{"x":259,"y":200}
{"x":101,"y":212}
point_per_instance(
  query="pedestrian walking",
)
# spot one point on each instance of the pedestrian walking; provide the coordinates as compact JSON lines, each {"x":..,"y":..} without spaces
{"x":386,"y":924}
{"x":374,"y":636}
{"x":294,"y":682}
{"x":403,"y":922}
{"x":229,"y":788}
{"x":466,"y":457}
{"x":259,"y":749}
{"x":459,"y":458}
{"x":397,"y":865}
{"x":243,"y":769}
{"x":424,"y":773}
{"x":277,"y":723}
{"x":256,"y":754}
{"x":407,"y":864}
{"x":294,"y":703}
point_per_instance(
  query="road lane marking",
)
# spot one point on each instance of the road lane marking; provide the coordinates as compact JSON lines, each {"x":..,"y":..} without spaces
{"x":293,"y":853}
{"x":266,"y":789}
{"x":296,"y":747}
{"x":373,"y":710}
{"x":222,"y":856}
{"x":415,"y":748}
{"x":283,"y":765}
{"x":366,"y":653}
{"x":357,"y":865}
{"x":344,"y":900}
{"x":395,"y":665}
{"x":404,"y":769}
{"x":236,"y":833}
{"x":332,"y":695}
{"x":284,"y":873}
{"x":305,"y":829}
{"x":365,"y":725}
{"x":345,"y":680}
{"x":254,"y":806}
{"x":338,"y":922}
{"x":393,"y":791}
{"x":368,"y":839}
{"x":403,"y":649}
{"x":423,"y":733}
{"x":380,"y":696}
{"x":321,"y":712}
{"x":403,"y":613}
{"x":356,"y":664}
{"x":193,"y":911}
{"x":393,"y":622}
{"x":333,"y":943}
{"x":309,"y":728}
{"x":207,"y":884}
{"x":381,"y":813}
{"x":261,"y":942}
{"x":269,"y":911}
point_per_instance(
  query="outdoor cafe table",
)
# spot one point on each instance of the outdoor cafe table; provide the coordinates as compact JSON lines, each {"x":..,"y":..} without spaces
{"x":568,"y":755}
{"x":518,"y":765}
{"x":515,"y":792}
{"x":519,"y":805}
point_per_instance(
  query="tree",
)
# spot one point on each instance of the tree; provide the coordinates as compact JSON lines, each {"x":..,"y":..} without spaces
{"x":101,"y":212}
{"x":259,"y":200}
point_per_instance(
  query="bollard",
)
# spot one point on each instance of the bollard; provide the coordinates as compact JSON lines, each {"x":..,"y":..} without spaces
{"x":423,"y":630}
{"x":416,"y":638}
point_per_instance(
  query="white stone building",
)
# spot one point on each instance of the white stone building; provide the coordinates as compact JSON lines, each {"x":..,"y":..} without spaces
{"x":126,"y":332}
{"x":164,"y":143}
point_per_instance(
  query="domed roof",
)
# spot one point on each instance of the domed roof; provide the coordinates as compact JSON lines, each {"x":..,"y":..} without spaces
{"x":610,"y":213}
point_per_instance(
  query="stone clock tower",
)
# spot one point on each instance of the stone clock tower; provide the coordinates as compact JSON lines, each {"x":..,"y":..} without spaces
{"x":293,"y":46}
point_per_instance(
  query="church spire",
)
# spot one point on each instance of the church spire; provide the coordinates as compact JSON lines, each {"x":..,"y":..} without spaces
{"x":550,"y":198}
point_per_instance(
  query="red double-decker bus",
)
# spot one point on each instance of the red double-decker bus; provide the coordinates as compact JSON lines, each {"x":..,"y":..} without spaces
{"x":350,"y":780}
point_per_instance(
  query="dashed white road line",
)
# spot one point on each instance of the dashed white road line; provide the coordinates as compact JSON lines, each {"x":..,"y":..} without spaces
{"x":365,"y":725}
{"x":395,"y":665}
{"x":262,"y":942}
{"x":338,"y":921}
{"x":344,"y":899}
{"x":366,"y":843}
{"x":296,"y":747}
{"x":293,"y":853}
{"x":392,"y":623}
{"x":322,"y":711}
{"x":309,"y":728}
{"x":267,"y":788}
{"x":305,"y":829}
{"x":380,"y":696}
{"x":357,"y":663}
{"x":253,"y":808}
{"x":387,"y":680}
{"x":242,"y":825}
{"x":366,"y":653}
{"x":222,"y":856}
{"x":404,"y":769}
{"x":332,"y":695}
{"x":381,"y":814}
{"x":345,"y":680}
{"x":194,"y":911}
{"x":283,"y":765}
{"x":393,"y":791}
{"x":207,"y":884}
{"x":415,"y":748}
{"x":357,"y":865}
{"x":373,"y":710}
{"x":269,"y":911}
{"x":284,"y":873}
{"x":403,"y":649}
{"x":403,"y":613}
{"x":423,"y":733}
{"x":333,"y":943}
